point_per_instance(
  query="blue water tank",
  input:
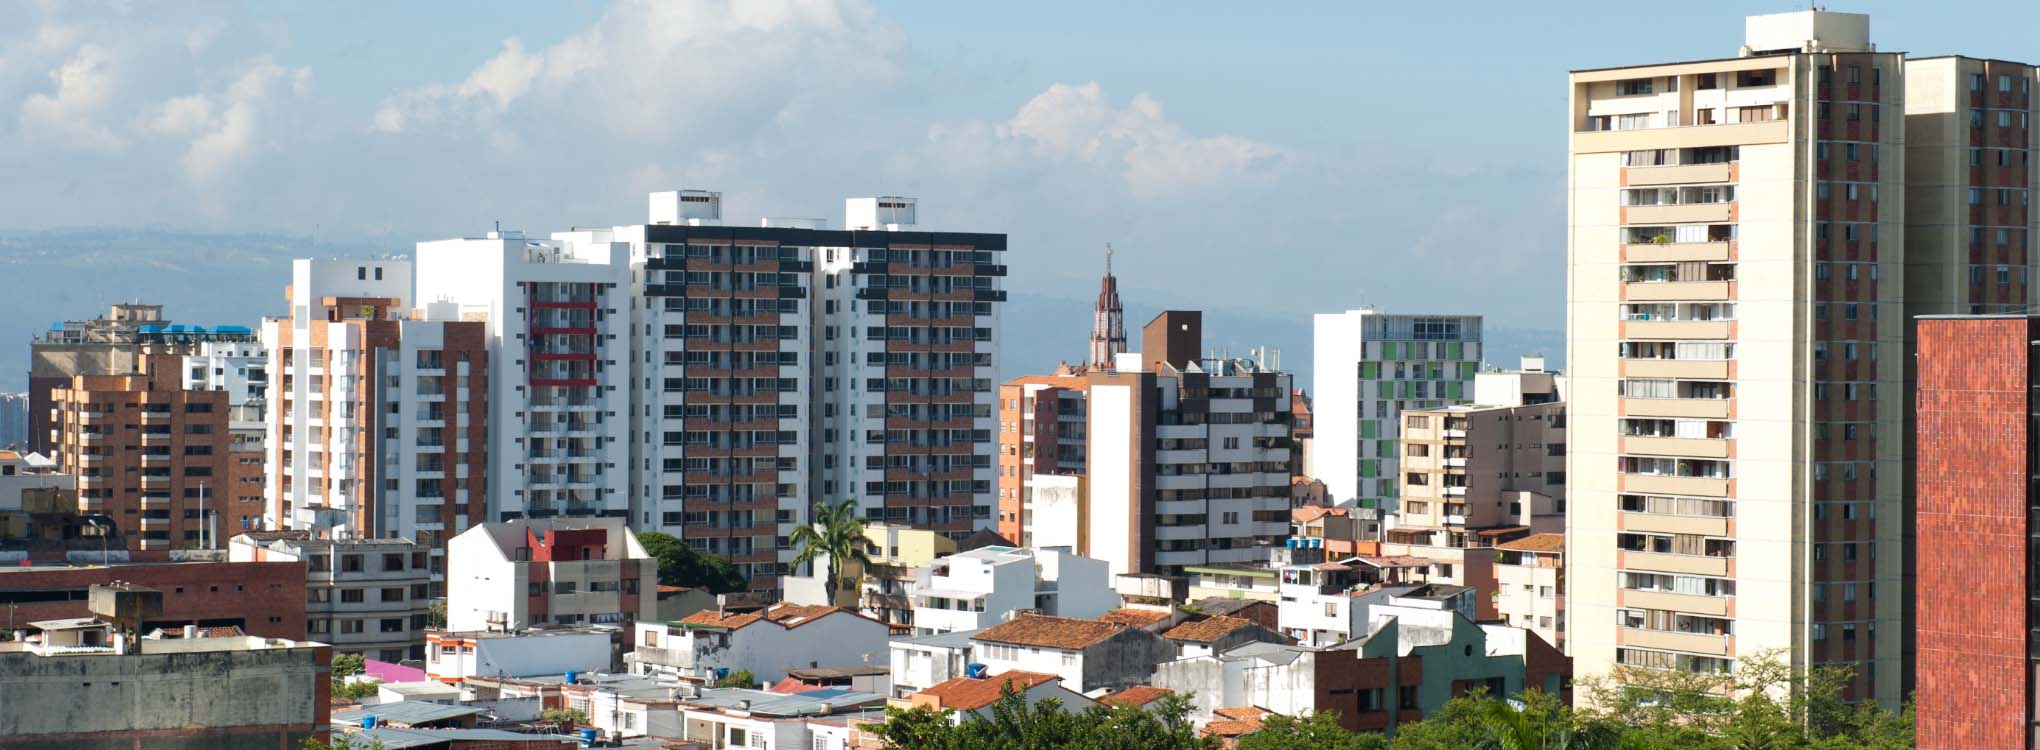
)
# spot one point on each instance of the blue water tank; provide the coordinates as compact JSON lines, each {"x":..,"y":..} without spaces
{"x":571,"y":676}
{"x":587,"y":737}
{"x":974,"y":671}
{"x":368,"y":722}
{"x":721,"y":672}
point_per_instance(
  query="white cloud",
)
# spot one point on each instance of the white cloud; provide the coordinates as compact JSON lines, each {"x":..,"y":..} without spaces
{"x":80,"y":88}
{"x":1154,"y":155}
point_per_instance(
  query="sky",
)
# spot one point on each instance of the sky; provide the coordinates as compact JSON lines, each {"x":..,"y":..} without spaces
{"x":1273,"y":158}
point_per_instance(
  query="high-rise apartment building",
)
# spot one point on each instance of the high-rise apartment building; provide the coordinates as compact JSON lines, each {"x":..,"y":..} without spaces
{"x":239,"y":369}
{"x":113,"y":344}
{"x":556,"y":317}
{"x":148,"y":453}
{"x":378,"y":425}
{"x":1170,"y":459}
{"x":785,"y":364}
{"x":1735,"y":347}
{"x":1368,"y":367}
{"x":1976,"y":637}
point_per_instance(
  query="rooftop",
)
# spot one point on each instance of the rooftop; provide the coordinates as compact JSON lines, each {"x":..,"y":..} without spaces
{"x":764,"y":704}
{"x":404,"y":712}
{"x":956,"y":639}
{"x":971,"y":693}
{"x":1138,"y":618}
{"x":1138,"y":695}
{"x":785,"y":615}
{"x":1546,"y":543}
{"x":392,"y":738}
{"x":1206,"y":630}
{"x":1044,"y":631}
{"x":1233,"y":722}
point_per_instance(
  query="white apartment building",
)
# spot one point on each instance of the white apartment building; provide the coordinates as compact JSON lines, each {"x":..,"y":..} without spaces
{"x":561,"y":571}
{"x":983,"y":587}
{"x":1736,"y":346}
{"x":710,"y":644}
{"x":1368,"y":367}
{"x":558,"y":338}
{"x":241,"y":369}
{"x":377,"y":423}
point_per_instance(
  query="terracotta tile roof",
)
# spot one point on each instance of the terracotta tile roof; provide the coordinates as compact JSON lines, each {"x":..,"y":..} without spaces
{"x":1536,"y":543}
{"x":1206,"y":630}
{"x":1043,"y":631}
{"x":1309,"y":513}
{"x":1233,"y":722}
{"x":665,"y":589}
{"x":966,"y":694}
{"x":786,"y":615}
{"x":1138,"y":618}
{"x":1138,"y":695}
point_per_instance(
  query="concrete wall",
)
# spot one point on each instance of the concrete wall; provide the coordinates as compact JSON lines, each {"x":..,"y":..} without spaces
{"x":266,"y":698}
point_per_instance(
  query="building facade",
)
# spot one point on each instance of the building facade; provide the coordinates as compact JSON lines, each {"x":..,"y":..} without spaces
{"x":1530,"y":585}
{"x":264,"y":599}
{"x":362,"y":596}
{"x":1976,"y":555}
{"x":379,"y":418}
{"x":561,"y":571}
{"x":1736,"y":347}
{"x":149,"y":454}
{"x":1368,"y":367}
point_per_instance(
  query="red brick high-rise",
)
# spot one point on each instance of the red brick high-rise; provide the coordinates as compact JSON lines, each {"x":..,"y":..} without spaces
{"x":1976,"y":511}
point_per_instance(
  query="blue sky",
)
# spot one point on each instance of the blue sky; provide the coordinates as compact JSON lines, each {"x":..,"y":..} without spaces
{"x":1406,"y":155}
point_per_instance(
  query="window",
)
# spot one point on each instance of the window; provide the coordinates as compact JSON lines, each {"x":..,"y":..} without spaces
{"x":1633,"y":87}
{"x":351,"y":596}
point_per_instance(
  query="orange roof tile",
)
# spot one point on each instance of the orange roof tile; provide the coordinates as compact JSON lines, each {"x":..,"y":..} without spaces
{"x":1044,"y":631}
{"x":1206,"y":630}
{"x":785,"y":615}
{"x":1138,"y":618}
{"x":1536,"y":543}
{"x":967,"y":694}
{"x":1138,"y":695}
{"x":1233,"y":722}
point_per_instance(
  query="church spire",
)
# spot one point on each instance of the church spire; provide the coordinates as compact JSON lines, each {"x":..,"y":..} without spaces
{"x":1108,"y":324}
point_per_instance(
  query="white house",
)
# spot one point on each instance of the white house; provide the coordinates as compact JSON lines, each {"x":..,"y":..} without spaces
{"x":741,"y":718}
{"x":453,"y":656}
{"x":924,"y":661}
{"x":711,"y":643}
{"x":980,"y":588}
{"x":562,"y":571}
{"x":972,"y":695}
{"x":1089,"y":655}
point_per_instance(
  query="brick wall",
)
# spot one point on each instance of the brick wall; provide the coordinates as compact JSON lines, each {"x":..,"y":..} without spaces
{"x":265,"y":599}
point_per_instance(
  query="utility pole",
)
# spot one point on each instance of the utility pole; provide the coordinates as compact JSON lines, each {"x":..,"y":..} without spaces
{"x":202,"y":523}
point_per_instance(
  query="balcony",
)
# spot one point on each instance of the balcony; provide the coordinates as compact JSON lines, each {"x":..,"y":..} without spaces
{"x":1661,"y":291}
{"x":1663,"y":563}
{"x":1675,"y":252}
{"x":1687,"y":447}
{"x":1664,"y":524}
{"x":1688,"y":213}
{"x":1678,"y":175}
{"x":1680,"y":330}
{"x":1688,"y":369}
{"x":1699,"y":136}
{"x":1712,"y":408}
{"x":1671,"y":485}
{"x":1696,"y":643}
{"x":1692,"y":603}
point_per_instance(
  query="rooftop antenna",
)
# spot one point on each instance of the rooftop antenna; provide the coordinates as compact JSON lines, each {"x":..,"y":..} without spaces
{"x":1108,"y":259}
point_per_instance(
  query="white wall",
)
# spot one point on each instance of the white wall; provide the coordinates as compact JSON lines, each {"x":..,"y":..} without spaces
{"x":769,"y":650}
{"x":1057,"y":511}
{"x":1109,"y":461}
{"x":480,"y":580}
{"x":1335,"y":416}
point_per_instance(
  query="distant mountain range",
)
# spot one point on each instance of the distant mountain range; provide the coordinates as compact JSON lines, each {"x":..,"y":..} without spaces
{"x":223,"y":279}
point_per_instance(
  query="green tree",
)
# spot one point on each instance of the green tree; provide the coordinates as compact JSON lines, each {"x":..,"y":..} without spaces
{"x":569,"y":717}
{"x":1317,"y":731}
{"x":742,"y":678}
{"x":1011,"y":724}
{"x":342,"y":742}
{"x":837,"y":533}
{"x":348,"y":665}
{"x":680,"y":565}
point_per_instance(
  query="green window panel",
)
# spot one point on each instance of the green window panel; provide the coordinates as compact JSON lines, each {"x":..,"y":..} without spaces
{"x":1370,"y":370}
{"x":1385,"y":449}
{"x":1369,"y":429}
{"x":1370,"y":468}
{"x":1454,"y":350}
{"x":1452,"y":389}
{"x":1391,"y":350}
{"x":1467,"y":370}
{"x":1384,"y":389}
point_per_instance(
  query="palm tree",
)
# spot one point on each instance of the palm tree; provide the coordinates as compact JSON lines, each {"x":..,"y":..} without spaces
{"x":834,"y":532}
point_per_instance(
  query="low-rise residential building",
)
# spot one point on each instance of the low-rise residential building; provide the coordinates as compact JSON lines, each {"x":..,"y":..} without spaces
{"x":1089,"y":655}
{"x":1219,"y":634}
{"x":562,"y":571}
{"x":742,"y":718}
{"x":1530,"y":585}
{"x":1256,"y":581}
{"x":87,"y":683}
{"x":676,"y":602}
{"x":454,"y":656}
{"x":922,"y":661}
{"x":362,"y":596}
{"x":709,"y":644}
{"x":898,"y":553}
{"x":971,"y":696}
{"x":1326,"y":603}
{"x":1407,"y":666}
{"x":982,"y":587}
{"x":1263,"y":613}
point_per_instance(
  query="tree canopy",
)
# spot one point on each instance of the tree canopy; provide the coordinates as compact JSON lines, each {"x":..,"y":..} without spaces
{"x":680,"y":565}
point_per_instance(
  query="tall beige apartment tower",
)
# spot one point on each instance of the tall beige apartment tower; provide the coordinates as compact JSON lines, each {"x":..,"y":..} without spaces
{"x":1736,"y":321}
